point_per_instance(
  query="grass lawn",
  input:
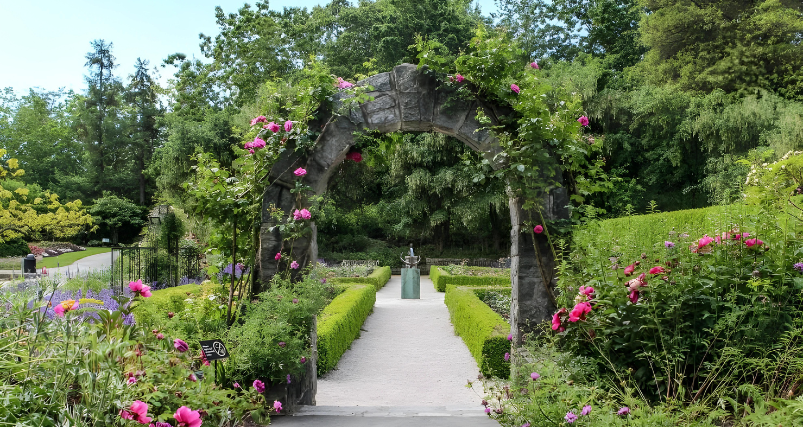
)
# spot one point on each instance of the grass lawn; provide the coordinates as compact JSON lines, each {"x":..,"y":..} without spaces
{"x":70,"y":257}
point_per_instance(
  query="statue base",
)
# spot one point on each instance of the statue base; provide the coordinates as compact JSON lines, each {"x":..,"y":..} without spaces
{"x":411,"y":283}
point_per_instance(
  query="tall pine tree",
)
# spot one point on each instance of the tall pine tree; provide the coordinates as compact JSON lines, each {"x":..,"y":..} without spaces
{"x":144,"y":118}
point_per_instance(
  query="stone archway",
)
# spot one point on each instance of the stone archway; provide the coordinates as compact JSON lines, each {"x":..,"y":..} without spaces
{"x":407,"y":99}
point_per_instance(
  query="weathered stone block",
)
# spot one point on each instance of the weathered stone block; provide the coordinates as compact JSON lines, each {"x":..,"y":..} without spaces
{"x":380,"y":82}
{"x":449,"y":113}
{"x":382,"y":114}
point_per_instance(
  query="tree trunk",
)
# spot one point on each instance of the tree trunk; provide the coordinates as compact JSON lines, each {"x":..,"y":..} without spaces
{"x":142,"y":179}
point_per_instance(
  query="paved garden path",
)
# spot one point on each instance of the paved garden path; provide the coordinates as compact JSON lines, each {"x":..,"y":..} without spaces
{"x":408,"y":368}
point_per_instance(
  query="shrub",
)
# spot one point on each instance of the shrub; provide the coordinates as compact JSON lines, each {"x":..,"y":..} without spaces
{"x":378,"y":278}
{"x":154,"y":310}
{"x":340,"y":322}
{"x":14,"y":248}
{"x":482,"y":329}
{"x":715,"y":314}
{"x":441,"y":278}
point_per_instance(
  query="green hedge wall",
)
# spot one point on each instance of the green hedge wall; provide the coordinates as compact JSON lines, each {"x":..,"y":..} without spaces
{"x":379,"y":277}
{"x":14,"y":248}
{"x":340,"y":322}
{"x":482,"y":329}
{"x":442,"y":279}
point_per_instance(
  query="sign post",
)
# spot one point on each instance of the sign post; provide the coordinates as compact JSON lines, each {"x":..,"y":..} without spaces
{"x":214,"y":350}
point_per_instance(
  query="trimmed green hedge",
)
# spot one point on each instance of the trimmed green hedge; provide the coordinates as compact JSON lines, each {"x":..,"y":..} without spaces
{"x":340,"y":322}
{"x":482,"y":329}
{"x":442,"y":279}
{"x":379,"y":277}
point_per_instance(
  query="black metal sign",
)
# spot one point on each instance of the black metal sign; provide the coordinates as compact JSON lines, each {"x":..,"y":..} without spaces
{"x":214,"y":349}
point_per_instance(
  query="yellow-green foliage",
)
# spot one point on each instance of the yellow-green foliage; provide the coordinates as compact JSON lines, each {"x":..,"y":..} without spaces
{"x":441,"y":279}
{"x":378,"y":278}
{"x":644,"y":232}
{"x":160,"y":302}
{"x":340,"y":322}
{"x":482,"y":329}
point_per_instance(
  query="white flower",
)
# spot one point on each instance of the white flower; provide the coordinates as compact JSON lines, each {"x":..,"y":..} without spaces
{"x":212,"y":297}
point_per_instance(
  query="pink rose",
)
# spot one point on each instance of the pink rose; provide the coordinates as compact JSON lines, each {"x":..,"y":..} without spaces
{"x":538,"y":229}
{"x":586,"y":290}
{"x":300,"y":172}
{"x":186,"y":417}
{"x":629,"y":269}
{"x":753,"y":242}
{"x":277,"y":406}
{"x":459,"y":78}
{"x":273,"y":127}
{"x":294,"y":265}
{"x":556,"y":324}
{"x":288,"y":126}
{"x":534,"y":65}
{"x":258,"y":119}
{"x":657,"y":270}
{"x":579,"y":312}
{"x":583,"y":120}
{"x":515,"y":88}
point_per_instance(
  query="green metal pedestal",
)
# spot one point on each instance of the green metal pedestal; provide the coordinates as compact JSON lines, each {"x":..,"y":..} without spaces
{"x":411,"y":283}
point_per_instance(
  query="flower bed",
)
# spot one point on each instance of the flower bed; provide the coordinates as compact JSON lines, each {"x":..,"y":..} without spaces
{"x":459,"y":275}
{"x":484,"y":331}
{"x":378,"y":278}
{"x":340,"y":322}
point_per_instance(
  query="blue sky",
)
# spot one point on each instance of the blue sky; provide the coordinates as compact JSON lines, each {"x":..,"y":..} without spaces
{"x":44,"y":42}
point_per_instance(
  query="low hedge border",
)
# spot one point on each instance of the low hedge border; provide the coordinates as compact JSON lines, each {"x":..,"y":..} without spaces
{"x":156,"y":307}
{"x":340,"y":322}
{"x":379,"y":277}
{"x":482,"y":329}
{"x":441,"y":279}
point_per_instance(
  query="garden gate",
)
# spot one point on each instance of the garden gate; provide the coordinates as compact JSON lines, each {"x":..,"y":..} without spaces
{"x":155,"y":268}
{"x":408,"y":99}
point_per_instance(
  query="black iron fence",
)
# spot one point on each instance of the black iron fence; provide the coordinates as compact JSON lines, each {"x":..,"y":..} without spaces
{"x":155,"y":267}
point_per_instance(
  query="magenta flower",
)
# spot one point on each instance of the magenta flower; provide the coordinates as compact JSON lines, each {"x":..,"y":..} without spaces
{"x":139,"y":289}
{"x":657,"y":270}
{"x":633,"y":296}
{"x":300,"y":172}
{"x":305,"y":214}
{"x":556,"y":324}
{"x":570,"y":417}
{"x":277,"y":406}
{"x":303,"y":359}
{"x":583,"y":120}
{"x":623,"y":411}
{"x":515,"y":88}
{"x":798,"y":266}
{"x":579,"y":312}
{"x":354,"y":156}
{"x":534,"y":65}
{"x":535,"y":376}
{"x":180,"y":345}
{"x":257,"y":143}
{"x":258,"y":119}
{"x":273,"y":127}
{"x":510,"y":337}
{"x":294,"y":265}
{"x":342,"y":84}
{"x":186,"y":417}
{"x":288,"y":126}
{"x":538,"y":229}
{"x":192,"y":377}
{"x":236,"y":384}
{"x":753,"y":242}
{"x":629,"y":269}
{"x":459,"y":78}
{"x":131,"y":380}
{"x":139,"y":412}
{"x":288,"y":378}
{"x":65,"y":307}
{"x":160,"y":336}
{"x":259,"y":386}
{"x":487,"y":410}
{"x":586,"y":290}
{"x":586,"y":410}
{"x":282,"y":344}
{"x":669,"y":245}
{"x":278,"y":256}
{"x":507,"y":357}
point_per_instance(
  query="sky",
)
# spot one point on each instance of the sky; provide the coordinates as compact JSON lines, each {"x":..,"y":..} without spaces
{"x":44,"y":42}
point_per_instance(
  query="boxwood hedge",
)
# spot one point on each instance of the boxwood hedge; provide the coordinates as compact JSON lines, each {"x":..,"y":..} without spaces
{"x":482,"y":329}
{"x":340,"y":322}
{"x":378,"y":278}
{"x":441,"y":279}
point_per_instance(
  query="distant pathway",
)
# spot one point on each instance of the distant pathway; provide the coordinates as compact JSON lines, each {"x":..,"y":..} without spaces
{"x":407,"y":355}
{"x":83,"y":266}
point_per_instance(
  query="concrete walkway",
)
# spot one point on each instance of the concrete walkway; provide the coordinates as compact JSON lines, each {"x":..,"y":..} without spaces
{"x":408,"y":368}
{"x":84,"y":265}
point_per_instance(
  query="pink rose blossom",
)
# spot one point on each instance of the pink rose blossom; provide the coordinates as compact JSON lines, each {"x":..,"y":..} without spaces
{"x":288,"y":126}
{"x":515,"y":88}
{"x":579,"y":311}
{"x":583,"y":120}
{"x":753,"y":242}
{"x":277,"y":406}
{"x":259,"y":386}
{"x":534,"y":65}
{"x":459,"y":78}
{"x":278,"y":256}
{"x":556,"y":324}
{"x":131,"y":380}
{"x":160,"y":336}
{"x":273,"y":127}
{"x":538,"y":229}
{"x":623,"y":411}
{"x":139,"y":410}
{"x":258,"y":119}
{"x":507,"y":357}
{"x":342,"y":84}
{"x":139,"y":289}
{"x":657,"y":270}
{"x":303,"y":360}
{"x":186,"y":417}
{"x":510,"y":337}
{"x":180,"y":345}
{"x":300,"y":172}
{"x":629,"y":269}
{"x":236,"y":384}
{"x":294,"y":265}
{"x":586,"y":290}
{"x":535,"y":376}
